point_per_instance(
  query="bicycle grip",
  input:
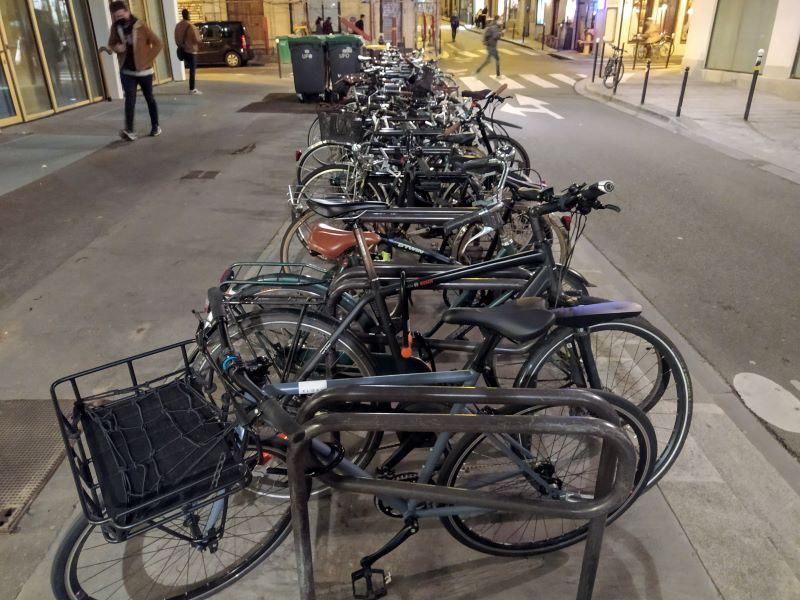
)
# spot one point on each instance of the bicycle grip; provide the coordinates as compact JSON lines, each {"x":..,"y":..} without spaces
{"x":457,"y":223}
{"x":215,"y":302}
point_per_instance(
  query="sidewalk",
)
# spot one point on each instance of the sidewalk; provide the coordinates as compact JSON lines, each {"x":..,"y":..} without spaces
{"x":122,"y":269}
{"x":713,"y":113}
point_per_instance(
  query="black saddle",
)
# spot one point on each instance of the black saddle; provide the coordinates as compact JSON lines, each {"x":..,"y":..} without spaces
{"x":517,"y":321}
{"x":461,"y":139}
{"x":592,"y":311}
{"x":480,"y":95}
{"x":334,"y":207}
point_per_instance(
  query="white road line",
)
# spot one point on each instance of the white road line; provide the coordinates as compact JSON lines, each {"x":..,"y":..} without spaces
{"x":580,"y":75}
{"x":769,"y":400}
{"x":562,"y":77}
{"x":465,"y":53}
{"x":512,"y":85}
{"x":507,"y":52}
{"x":539,"y":81}
{"x":626,"y":76}
{"x":473,"y":83}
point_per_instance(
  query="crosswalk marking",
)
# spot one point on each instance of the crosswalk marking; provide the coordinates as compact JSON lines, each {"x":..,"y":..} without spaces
{"x":507,"y":52}
{"x":627,"y":76}
{"x":581,"y":75}
{"x":562,"y":77}
{"x":466,"y":54}
{"x":512,"y":85}
{"x":473,"y":83}
{"x":538,"y":81}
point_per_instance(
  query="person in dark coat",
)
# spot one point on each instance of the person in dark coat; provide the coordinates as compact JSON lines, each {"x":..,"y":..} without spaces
{"x":360,"y":23}
{"x":318,"y":26}
{"x":454,"y":26}
{"x":327,"y":26}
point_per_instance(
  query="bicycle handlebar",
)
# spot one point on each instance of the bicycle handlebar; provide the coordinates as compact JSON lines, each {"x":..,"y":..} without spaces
{"x":581,"y":196}
{"x":471,"y":217}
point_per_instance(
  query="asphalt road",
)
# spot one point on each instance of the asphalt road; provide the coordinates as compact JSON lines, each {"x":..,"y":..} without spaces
{"x":710,"y":240}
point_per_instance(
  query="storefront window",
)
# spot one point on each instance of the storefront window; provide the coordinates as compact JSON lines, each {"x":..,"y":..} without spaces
{"x":6,"y":102}
{"x":60,"y":51}
{"x":155,"y":17}
{"x":24,"y":56}
{"x":741,"y":28}
{"x":89,"y":47}
{"x":796,"y":71}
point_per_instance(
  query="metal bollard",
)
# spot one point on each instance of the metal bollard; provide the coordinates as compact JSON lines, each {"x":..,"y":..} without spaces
{"x":602,"y":55}
{"x":646,"y":79}
{"x":756,"y":70}
{"x":635,"y":55}
{"x":619,"y":66}
{"x":594,"y":66}
{"x":683,"y":90}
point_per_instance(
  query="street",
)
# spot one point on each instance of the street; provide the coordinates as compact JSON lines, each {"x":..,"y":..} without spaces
{"x":107,"y":247}
{"x":709,"y":239}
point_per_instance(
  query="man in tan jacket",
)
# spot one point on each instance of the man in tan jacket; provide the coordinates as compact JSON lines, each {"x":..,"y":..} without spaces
{"x":187,"y":40}
{"x":136,"y":47}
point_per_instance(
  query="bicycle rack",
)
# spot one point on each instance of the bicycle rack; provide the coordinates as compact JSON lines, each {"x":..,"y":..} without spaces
{"x":615,"y":470}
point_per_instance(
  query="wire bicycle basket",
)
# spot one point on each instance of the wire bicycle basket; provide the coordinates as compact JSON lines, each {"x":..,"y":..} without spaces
{"x":341,"y":127}
{"x":151,"y":447}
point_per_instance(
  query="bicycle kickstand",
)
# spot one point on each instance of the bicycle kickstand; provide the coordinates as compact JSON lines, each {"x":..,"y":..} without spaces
{"x":369,"y":583}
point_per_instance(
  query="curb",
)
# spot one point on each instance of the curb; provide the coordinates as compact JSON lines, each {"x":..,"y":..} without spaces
{"x":582,"y":88}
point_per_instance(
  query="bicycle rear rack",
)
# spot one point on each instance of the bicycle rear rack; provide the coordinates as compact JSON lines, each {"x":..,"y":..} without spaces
{"x":615,"y":470}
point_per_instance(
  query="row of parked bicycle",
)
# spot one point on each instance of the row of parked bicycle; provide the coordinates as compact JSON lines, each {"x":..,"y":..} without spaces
{"x":424,"y":256}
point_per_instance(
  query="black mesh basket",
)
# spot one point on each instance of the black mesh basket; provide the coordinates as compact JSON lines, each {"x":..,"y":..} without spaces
{"x":143,"y":452}
{"x":341,"y":127}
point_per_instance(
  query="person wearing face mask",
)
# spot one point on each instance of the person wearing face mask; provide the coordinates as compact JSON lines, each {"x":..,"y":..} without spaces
{"x":136,"y":47}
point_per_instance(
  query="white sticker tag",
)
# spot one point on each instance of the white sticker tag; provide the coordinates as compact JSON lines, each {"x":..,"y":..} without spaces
{"x":311,"y":387}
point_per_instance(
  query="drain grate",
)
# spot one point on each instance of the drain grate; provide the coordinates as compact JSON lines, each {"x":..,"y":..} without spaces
{"x":30,"y":450}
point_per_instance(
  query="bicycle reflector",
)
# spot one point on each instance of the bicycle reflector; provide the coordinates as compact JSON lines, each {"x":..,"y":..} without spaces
{"x":297,"y":155}
{"x":227,"y":275}
{"x":566,"y":221}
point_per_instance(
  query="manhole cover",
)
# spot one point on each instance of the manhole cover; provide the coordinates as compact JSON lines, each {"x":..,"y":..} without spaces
{"x":30,"y":450}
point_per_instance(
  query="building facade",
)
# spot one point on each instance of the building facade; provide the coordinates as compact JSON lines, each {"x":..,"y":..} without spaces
{"x":51,"y":58}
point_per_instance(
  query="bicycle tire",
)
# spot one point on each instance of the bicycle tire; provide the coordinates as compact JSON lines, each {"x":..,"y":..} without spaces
{"x":556,"y":354}
{"x":463,"y":529}
{"x":318,"y":155}
{"x":521,"y":162}
{"x":608,"y":72}
{"x":313,"y":135}
{"x":68,"y":583}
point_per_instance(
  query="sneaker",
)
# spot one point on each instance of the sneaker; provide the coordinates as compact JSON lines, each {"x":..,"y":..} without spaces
{"x":127,"y":135}
{"x":155,"y":131}
{"x":196,"y":92}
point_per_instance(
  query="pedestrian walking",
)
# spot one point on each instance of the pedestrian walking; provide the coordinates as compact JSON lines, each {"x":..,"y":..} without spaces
{"x":360,"y":24}
{"x":327,"y":26}
{"x":491,"y":35}
{"x":318,"y":26}
{"x":136,"y":47}
{"x":188,"y":43}
{"x":482,"y":17}
{"x":454,"y":26}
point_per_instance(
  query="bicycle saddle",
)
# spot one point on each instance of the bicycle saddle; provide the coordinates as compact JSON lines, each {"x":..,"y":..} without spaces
{"x":480,"y":95}
{"x":461,"y":139}
{"x":333,"y":208}
{"x":330,"y":242}
{"x":595,"y":310}
{"x":519,"y":321}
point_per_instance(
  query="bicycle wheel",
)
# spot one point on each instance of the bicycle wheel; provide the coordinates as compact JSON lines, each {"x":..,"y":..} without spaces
{"x":569,"y":463}
{"x":171,"y":562}
{"x":521,"y":160}
{"x":286,"y":343}
{"x":321,"y":154}
{"x":634,"y":360}
{"x":608,"y":72}
{"x":313,"y":132}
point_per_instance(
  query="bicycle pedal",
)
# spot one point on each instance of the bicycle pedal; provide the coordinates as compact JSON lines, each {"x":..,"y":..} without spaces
{"x":370,"y":584}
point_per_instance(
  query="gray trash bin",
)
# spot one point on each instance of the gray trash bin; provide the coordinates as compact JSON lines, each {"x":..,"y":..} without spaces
{"x":342,"y":51}
{"x":308,"y":66}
